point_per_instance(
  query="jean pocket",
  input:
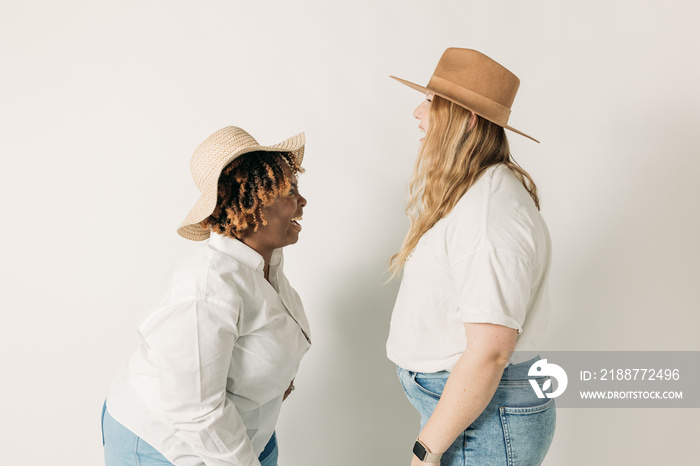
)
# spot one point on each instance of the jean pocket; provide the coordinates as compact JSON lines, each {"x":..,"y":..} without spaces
{"x":431,"y":384}
{"x":528,"y":432}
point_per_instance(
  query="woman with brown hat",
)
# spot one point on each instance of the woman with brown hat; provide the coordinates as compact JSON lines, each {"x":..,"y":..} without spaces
{"x":475,"y":266}
{"x":220,"y":353}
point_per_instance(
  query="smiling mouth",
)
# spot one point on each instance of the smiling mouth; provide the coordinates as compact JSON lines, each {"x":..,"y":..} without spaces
{"x":295,"y":222}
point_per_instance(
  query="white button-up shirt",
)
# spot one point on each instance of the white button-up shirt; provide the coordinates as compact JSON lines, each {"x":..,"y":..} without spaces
{"x":206,"y":383}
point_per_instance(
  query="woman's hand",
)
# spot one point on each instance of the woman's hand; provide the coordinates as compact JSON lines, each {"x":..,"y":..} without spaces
{"x":289,"y":390}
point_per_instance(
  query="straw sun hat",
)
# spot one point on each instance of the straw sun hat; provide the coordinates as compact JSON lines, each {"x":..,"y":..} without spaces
{"x":476,"y":82}
{"x":210,"y":158}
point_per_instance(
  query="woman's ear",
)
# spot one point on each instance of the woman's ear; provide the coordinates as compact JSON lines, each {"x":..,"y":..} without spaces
{"x":472,"y":120}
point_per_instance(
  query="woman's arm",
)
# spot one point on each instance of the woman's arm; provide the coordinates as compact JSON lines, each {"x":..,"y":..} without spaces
{"x":194,"y":342}
{"x":471,"y":385}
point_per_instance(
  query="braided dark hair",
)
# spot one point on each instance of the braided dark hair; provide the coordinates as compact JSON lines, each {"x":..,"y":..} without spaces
{"x":246,"y":186}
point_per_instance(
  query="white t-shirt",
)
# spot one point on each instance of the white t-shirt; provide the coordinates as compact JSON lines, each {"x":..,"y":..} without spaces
{"x":205,"y":385}
{"x":487,"y":261}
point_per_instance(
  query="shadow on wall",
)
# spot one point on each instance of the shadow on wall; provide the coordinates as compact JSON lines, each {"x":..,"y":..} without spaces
{"x":638,"y":251}
{"x":628,"y":281}
{"x":356,"y":408}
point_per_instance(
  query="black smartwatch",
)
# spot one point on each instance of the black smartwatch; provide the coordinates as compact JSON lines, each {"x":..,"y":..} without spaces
{"x":423,"y":454}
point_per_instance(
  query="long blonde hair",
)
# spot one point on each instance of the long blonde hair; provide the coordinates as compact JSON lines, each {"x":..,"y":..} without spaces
{"x":456,"y":151}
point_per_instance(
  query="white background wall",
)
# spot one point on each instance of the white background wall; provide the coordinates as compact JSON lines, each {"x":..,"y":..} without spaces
{"x":102,"y":104}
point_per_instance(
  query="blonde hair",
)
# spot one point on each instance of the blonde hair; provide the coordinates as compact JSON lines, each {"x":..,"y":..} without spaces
{"x":459,"y":146}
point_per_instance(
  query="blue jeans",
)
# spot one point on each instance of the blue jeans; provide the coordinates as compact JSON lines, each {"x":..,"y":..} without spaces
{"x":515,"y":428}
{"x":124,"y":448}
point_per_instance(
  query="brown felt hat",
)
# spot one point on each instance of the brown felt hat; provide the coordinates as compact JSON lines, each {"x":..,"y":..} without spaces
{"x":208,"y":161}
{"x":476,"y":82}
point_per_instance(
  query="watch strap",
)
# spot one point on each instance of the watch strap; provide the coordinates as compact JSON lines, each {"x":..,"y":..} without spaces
{"x":424,"y":454}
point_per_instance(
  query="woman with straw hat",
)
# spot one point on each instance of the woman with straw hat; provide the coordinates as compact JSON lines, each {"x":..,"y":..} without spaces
{"x":475,"y":265}
{"x":219,"y":355}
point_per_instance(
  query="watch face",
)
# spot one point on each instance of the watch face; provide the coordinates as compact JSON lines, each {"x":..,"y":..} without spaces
{"x":419,"y":451}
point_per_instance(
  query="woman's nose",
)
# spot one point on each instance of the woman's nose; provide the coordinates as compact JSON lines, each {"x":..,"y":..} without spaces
{"x":421,"y":109}
{"x":302,"y":201}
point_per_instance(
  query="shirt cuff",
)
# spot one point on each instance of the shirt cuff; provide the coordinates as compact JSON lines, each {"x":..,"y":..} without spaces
{"x":476,"y":317}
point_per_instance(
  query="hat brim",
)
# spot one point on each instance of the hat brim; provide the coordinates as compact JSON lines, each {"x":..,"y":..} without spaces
{"x":205,"y":205}
{"x":462,"y":104}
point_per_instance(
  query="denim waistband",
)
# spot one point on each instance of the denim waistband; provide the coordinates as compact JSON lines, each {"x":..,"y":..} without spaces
{"x":511,"y":372}
{"x":518,"y":371}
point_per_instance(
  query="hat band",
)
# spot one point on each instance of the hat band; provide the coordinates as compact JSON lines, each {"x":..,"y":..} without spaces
{"x":487,"y":108}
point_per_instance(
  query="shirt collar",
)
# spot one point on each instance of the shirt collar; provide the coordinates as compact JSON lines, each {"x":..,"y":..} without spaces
{"x":242,"y":252}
